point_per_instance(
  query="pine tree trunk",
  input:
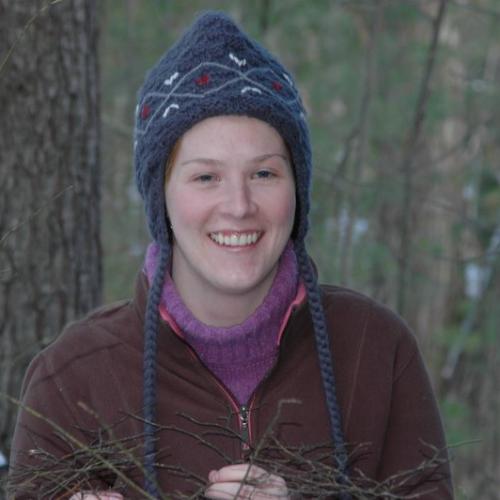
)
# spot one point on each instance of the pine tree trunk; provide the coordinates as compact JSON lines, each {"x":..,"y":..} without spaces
{"x":50,"y":251}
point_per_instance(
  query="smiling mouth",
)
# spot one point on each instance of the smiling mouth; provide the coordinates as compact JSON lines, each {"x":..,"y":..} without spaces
{"x":236,"y":239}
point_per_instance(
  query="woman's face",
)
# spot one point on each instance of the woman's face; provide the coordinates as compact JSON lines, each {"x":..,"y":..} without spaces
{"x":231,"y":201}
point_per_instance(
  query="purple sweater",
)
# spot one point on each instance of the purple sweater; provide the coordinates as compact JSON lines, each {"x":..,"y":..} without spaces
{"x":240,"y":356}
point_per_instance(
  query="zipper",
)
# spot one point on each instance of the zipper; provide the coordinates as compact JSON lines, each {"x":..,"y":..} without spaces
{"x":243,"y":416}
{"x":245,"y":412}
{"x":244,"y":424}
{"x":242,"y":412}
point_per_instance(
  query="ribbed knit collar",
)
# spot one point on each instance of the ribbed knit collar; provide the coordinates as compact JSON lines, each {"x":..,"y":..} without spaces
{"x":239,"y":355}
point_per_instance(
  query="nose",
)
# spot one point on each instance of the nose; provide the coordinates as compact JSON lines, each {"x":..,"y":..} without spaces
{"x":240,"y":201}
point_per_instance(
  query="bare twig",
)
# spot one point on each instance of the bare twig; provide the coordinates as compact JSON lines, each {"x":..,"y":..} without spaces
{"x":307,"y":470}
{"x":98,"y":452}
{"x":26,"y":27}
{"x":31,"y":216}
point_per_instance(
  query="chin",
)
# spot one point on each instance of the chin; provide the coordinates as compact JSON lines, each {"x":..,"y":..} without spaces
{"x":241,"y":283}
{"x":238,"y":286}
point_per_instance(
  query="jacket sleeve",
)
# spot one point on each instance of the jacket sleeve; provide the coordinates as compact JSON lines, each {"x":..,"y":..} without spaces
{"x":414,"y":434}
{"x":48,"y":440}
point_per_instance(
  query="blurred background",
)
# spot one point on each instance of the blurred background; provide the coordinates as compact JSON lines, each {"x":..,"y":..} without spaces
{"x":402,"y":101}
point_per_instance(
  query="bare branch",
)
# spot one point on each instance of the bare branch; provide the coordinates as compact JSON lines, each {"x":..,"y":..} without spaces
{"x":26,"y":27}
{"x":308,"y":470}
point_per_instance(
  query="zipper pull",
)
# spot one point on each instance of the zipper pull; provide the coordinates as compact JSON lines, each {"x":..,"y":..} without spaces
{"x":244,"y":428}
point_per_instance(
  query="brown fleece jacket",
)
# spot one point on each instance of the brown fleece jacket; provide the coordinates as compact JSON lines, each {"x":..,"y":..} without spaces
{"x":90,"y":379}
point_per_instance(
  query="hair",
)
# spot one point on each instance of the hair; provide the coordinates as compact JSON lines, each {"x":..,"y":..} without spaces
{"x":172,"y":157}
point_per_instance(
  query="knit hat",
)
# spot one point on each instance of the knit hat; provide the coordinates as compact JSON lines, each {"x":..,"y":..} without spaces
{"x":215,"y":69}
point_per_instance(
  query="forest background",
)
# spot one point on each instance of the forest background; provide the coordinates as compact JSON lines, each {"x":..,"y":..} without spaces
{"x":402,"y":99}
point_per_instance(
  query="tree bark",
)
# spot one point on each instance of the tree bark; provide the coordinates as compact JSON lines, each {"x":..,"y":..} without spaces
{"x":50,"y":250}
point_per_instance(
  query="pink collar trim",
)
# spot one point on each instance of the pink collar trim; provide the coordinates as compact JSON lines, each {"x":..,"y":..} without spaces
{"x":296,"y":302}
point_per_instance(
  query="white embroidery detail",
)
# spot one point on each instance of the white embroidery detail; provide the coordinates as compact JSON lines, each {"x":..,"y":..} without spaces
{"x":288,"y":79}
{"x":244,"y":90}
{"x":170,"y":80}
{"x":239,"y":62}
{"x":172,"y":106}
{"x":252,"y":78}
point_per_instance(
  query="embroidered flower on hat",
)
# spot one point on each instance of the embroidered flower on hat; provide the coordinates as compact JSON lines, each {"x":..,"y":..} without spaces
{"x":203,"y":79}
{"x":145,"y":111}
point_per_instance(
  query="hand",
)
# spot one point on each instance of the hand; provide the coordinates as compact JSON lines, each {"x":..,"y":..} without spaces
{"x":100,"y":495}
{"x":245,"y":482}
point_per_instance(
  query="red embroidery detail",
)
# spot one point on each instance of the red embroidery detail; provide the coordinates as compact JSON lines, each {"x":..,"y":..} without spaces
{"x":277,"y":86}
{"x":203,"y":79}
{"x":145,"y":111}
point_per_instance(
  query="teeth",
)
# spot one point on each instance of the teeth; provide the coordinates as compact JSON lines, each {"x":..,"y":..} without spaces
{"x":235,"y":240}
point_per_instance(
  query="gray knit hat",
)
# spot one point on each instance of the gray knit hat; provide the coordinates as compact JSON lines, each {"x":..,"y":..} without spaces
{"x":215,"y":69}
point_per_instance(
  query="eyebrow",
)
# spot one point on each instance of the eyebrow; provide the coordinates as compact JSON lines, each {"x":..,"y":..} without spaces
{"x":271,"y":155}
{"x":209,"y":161}
{"x":214,"y":162}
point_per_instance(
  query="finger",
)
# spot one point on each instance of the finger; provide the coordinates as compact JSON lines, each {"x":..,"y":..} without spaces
{"x":102,"y":495}
{"x":244,"y":473}
{"x":226,"y":491}
{"x":231,"y":490}
{"x":238,"y":473}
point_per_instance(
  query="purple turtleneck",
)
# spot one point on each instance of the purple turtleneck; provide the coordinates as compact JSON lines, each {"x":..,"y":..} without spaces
{"x":241,"y":355}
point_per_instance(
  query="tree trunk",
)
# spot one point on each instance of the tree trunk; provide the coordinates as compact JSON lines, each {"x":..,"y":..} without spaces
{"x":50,"y":250}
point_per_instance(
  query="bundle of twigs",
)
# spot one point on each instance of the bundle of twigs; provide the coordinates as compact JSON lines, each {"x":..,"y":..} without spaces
{"x":114,"y":462}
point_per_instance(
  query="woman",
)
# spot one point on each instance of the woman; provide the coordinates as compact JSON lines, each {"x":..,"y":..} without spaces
{"x":226,"y":352}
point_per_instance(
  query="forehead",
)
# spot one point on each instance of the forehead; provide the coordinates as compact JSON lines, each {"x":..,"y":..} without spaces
{"x":231,"y":135}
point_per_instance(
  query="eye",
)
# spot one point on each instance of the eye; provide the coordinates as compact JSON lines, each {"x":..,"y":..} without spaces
{"x":265,"y":174}
{"x":205,"y":178}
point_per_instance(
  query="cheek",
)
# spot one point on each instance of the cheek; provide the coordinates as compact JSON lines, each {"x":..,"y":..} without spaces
{"x":283,"y":208}
{"x":289,"y":214}
{"x":293,"y":205}
{"x":175,"y":208}
{"x":183,"y":210}
{"x":290,"y":205}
